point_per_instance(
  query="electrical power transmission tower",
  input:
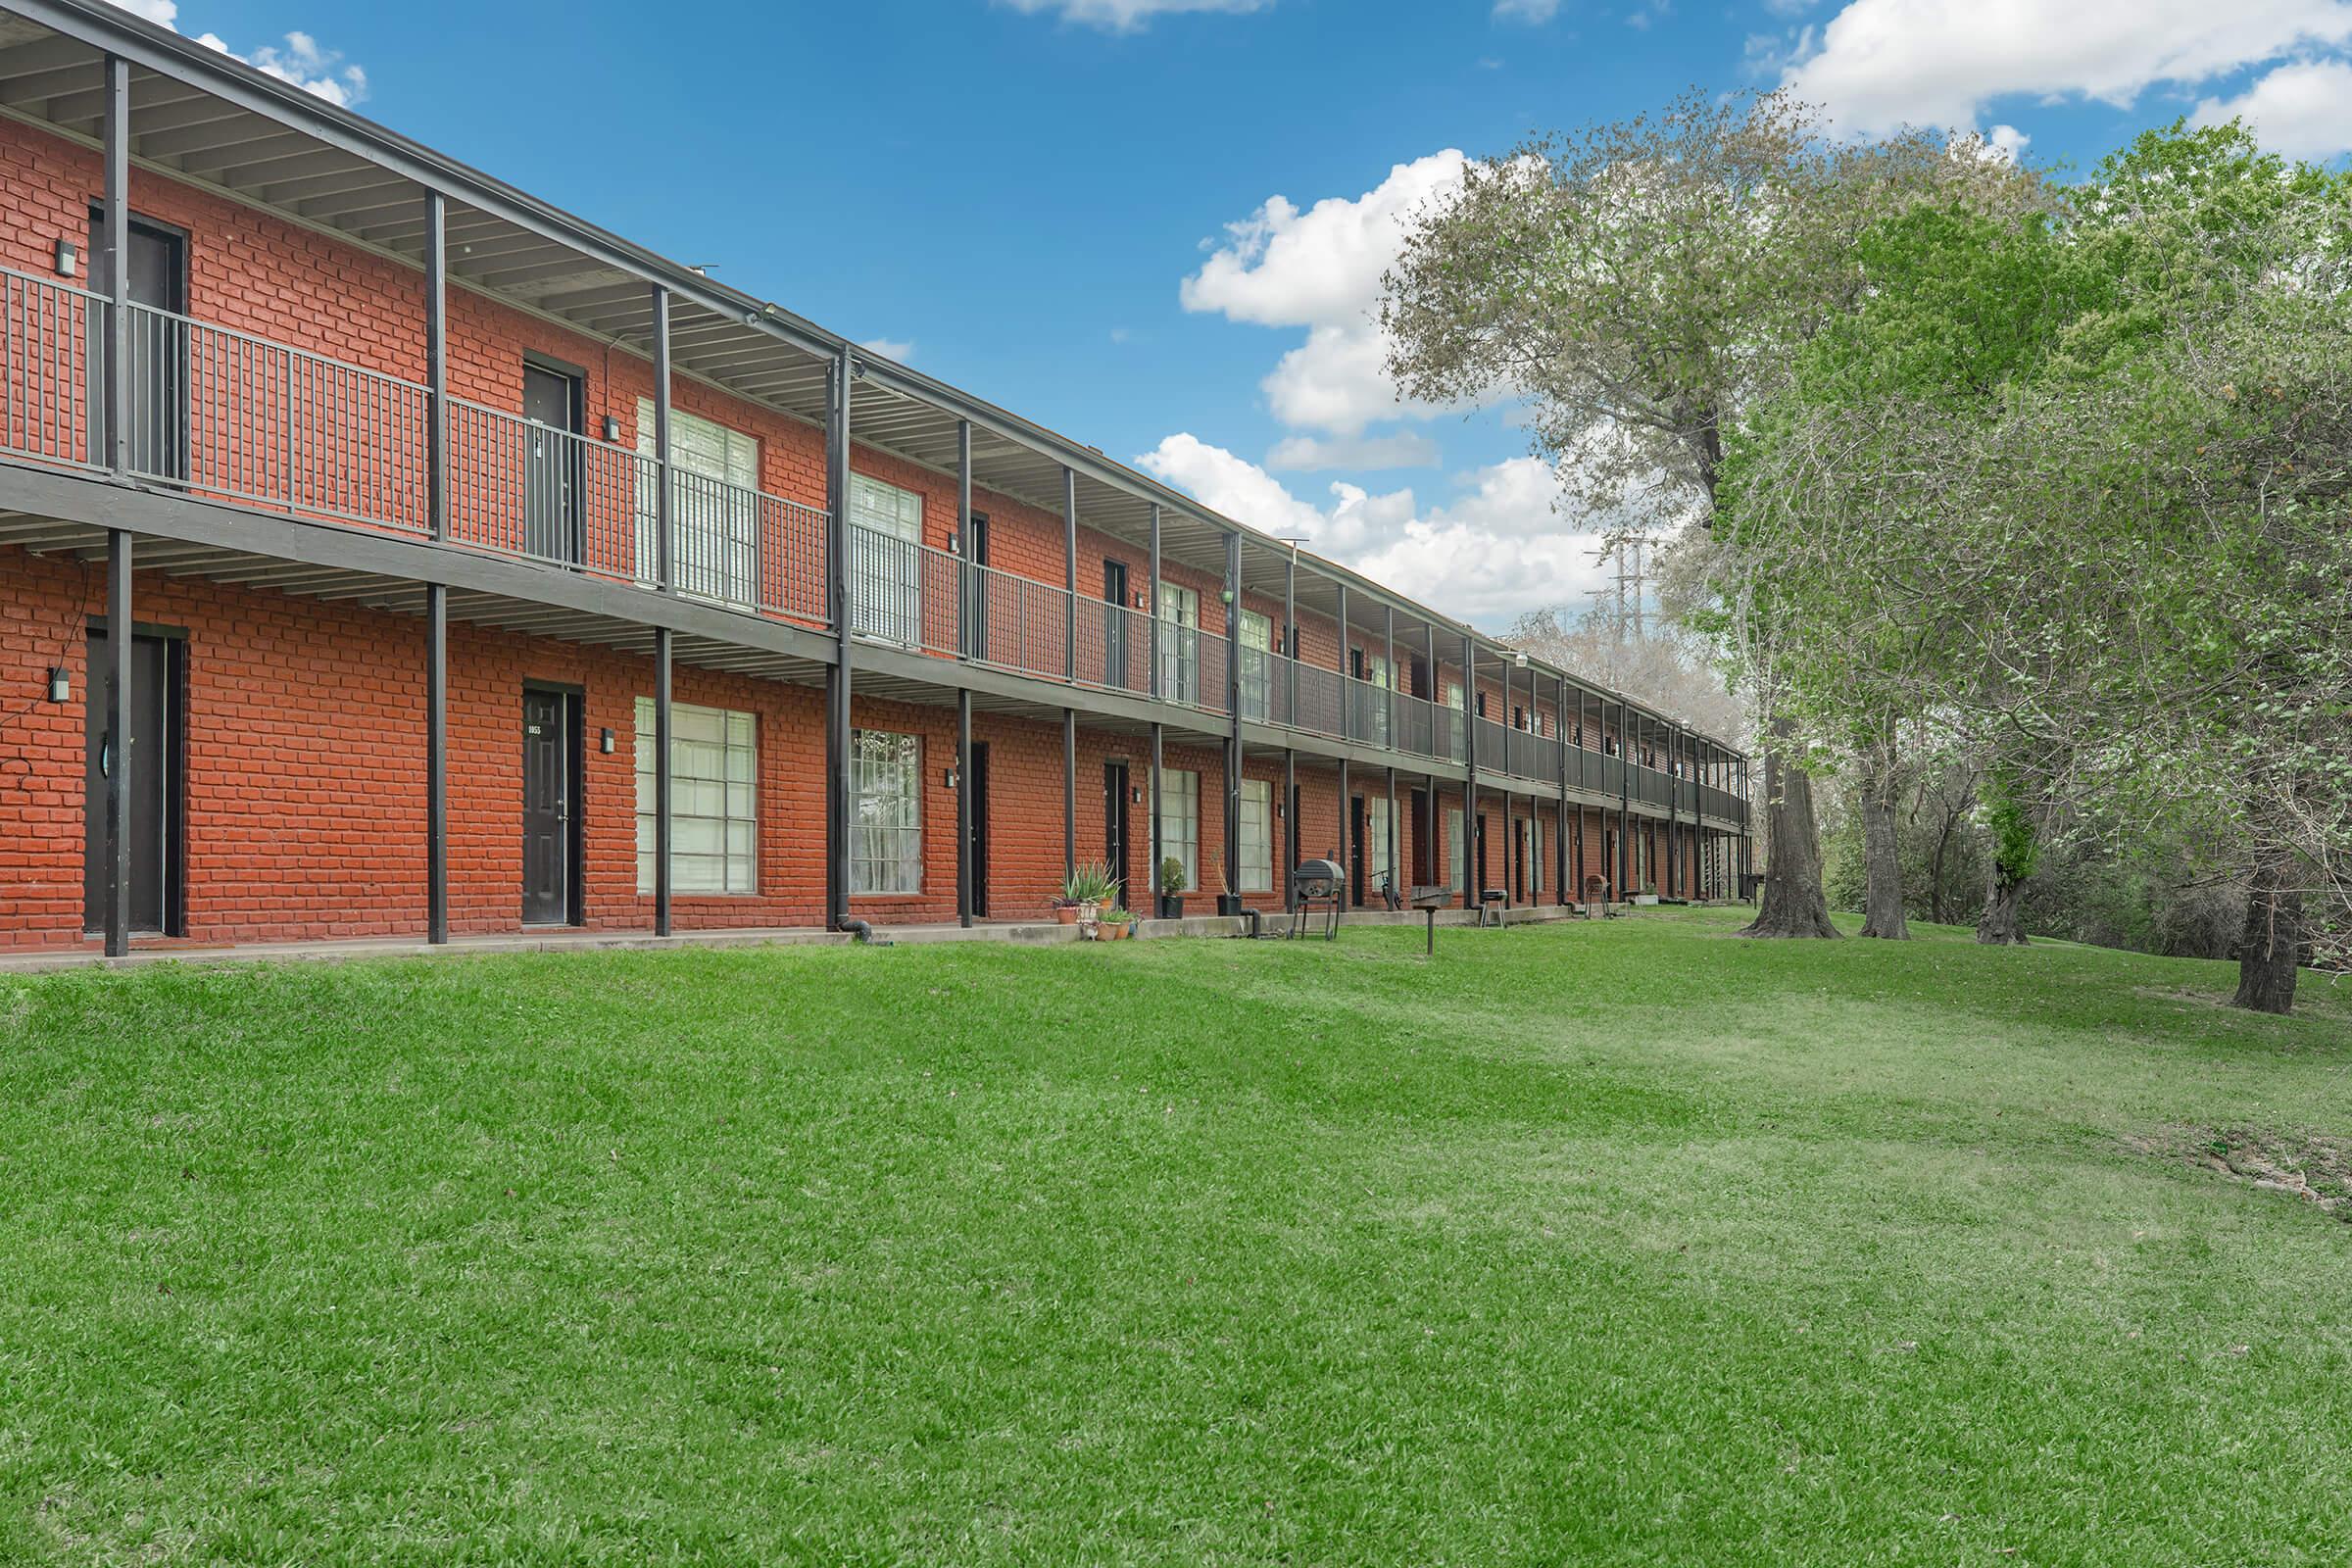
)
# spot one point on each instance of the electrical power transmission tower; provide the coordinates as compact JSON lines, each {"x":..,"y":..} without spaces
{"x":1624,"y":595}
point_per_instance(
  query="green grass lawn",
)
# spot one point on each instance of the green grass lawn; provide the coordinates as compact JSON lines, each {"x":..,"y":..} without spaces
{"x":1628,"y":1243}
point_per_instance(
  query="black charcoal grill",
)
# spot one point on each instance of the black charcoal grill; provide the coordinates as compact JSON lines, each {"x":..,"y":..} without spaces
{"x":1317,"y":885}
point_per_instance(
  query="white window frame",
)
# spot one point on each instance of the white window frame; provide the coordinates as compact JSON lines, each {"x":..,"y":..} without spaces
{"x":1454,"y":705}
{"x":1178,"y":814}
{"x":1179,"y":610}
{"x":1376,"y":841}
{"x":886,"y":825}
{"x":885,"y":561}
{"x":713,"y":507}
{"x":1457,"y":853}
{"x":714,"y":800}
{"x":1258,"y":836}
{"x":1257,"y":663}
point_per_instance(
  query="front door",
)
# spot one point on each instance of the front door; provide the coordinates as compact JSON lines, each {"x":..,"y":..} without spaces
{"x":144,"y":759}
{"x":1355,"y":848}
{"x":1483,"y":884}
{"x":552,"y":403}
{"x":1114,"y":625}
{"x":977,"y":786}
{"x":156,"y":280}
{"x":550,"y":787}
{"x":1115,"y":823}
{"x":1425,"y":870}
{"x":975,"y":588}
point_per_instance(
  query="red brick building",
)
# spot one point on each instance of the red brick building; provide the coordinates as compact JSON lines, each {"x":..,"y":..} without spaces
{"x":430,"y":509}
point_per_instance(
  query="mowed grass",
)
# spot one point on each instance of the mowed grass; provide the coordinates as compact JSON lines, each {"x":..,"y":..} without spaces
{"x":1628,"y":1243}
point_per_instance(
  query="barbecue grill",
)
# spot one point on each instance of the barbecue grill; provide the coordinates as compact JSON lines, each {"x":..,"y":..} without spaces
{"x":1316,"y":885}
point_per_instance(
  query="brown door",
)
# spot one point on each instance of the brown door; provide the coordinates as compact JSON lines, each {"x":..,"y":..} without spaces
{"x":977,"y":785}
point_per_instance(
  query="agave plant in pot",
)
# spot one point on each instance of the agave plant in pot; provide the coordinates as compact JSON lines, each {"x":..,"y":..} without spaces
{"x":1171,"y":889}
{"x":1084,"y":892}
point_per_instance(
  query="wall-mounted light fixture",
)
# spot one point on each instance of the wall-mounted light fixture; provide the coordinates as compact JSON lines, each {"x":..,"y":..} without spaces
{"x":1520,"y":659}
{"x":1135,"y":795}
{"x":611,"y":428}
{"x":60,"y":688}
{"x":954,"y":545}
{"x":951,"y":780}
{"x":1139,"y":599}
{"x":69,"y":258}
{"x":604,"y":742}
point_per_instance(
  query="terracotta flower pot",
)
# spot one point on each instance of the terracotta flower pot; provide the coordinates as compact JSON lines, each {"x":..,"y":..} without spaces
{"x":1066,"y":913}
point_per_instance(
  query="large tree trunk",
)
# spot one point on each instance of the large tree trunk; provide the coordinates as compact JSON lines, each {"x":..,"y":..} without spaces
{"x":1881,"y":862}
{"x":2271,"y":952}
{"x":1794,"y":904}
{"x":1997,"y":926}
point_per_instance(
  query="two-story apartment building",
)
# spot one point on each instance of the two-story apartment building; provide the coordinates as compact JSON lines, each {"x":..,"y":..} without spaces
{"x":384,"y":551}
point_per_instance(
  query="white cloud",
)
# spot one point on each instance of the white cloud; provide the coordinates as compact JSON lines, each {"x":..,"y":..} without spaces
{"x":891,"y":348}
{"x":1532,"y":12}
{"x":1127,"y":15}
{"x":1496,"y":548}
{"x":1320,"y":269}
{"x":300,"y":62}
{"x":1400,"y":448}
{"x":2302,"y":110}
{"x":1881,"y":63}
{"x":2008,"y":141}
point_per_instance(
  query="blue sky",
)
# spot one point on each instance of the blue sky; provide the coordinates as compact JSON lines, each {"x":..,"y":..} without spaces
{"x":1156,"y":224}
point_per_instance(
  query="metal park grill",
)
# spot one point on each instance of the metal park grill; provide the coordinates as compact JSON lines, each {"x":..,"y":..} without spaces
{"x":1316,"y":885}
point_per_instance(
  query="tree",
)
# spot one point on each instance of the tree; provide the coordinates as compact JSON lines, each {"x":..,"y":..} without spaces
{"x":1642,"y":287}
{"x":2083,"y":483}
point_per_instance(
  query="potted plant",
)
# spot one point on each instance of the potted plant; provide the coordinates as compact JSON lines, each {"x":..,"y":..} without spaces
{"x":1171,"y":889}
{"x":1649,"y":894}
{"x":1228,"y":901}
{"x":1114,"y":924}
{"x":1083,"y":893}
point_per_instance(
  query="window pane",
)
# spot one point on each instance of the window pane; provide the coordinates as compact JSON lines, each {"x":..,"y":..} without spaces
{"x":714,"y":822}
{"x":886,"y":812}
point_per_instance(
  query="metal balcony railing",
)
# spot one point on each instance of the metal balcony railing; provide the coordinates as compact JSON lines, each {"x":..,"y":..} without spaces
{"x":220,"y":414}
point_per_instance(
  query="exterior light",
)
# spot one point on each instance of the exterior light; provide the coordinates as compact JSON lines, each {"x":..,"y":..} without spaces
{"x":1521,"y":659}
{"x":950,"y":780}
{"x":603,"y":743}
{"x":1135,"y":795}
{"x":60,"y":688}
{"x":69,"y":258}
{"x":611,"y":428}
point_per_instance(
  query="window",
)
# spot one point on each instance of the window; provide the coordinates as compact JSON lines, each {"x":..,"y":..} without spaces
{"x":1376,"y":705}
{"x":1180,"y":643}
{"x":1453,"y":849}
{"x":1258,"y":836}
{"x":1178,"y":809}
{"x":1534,"y":861}
{"x":713,"y":507}
{"x":1258,"y":644}
{"x":886,"y":567}
{"x":886,"y":812}
{"x":1453,"y":704}
{"x":1377,"y":859}
{"x":713,"y":793}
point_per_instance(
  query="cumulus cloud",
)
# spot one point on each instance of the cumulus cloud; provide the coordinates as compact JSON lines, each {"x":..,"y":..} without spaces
{"x":298,"y":61}
{"x":1320,"y":269}
{"x":1493,"y":548}
{"x":1400,"y":448}
{"x":2302,"y":108}
{"x":1127,"y":15}
{"x":1881,"y":63}
{"x":891,"y":348}
{"x":1532,"y":12}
